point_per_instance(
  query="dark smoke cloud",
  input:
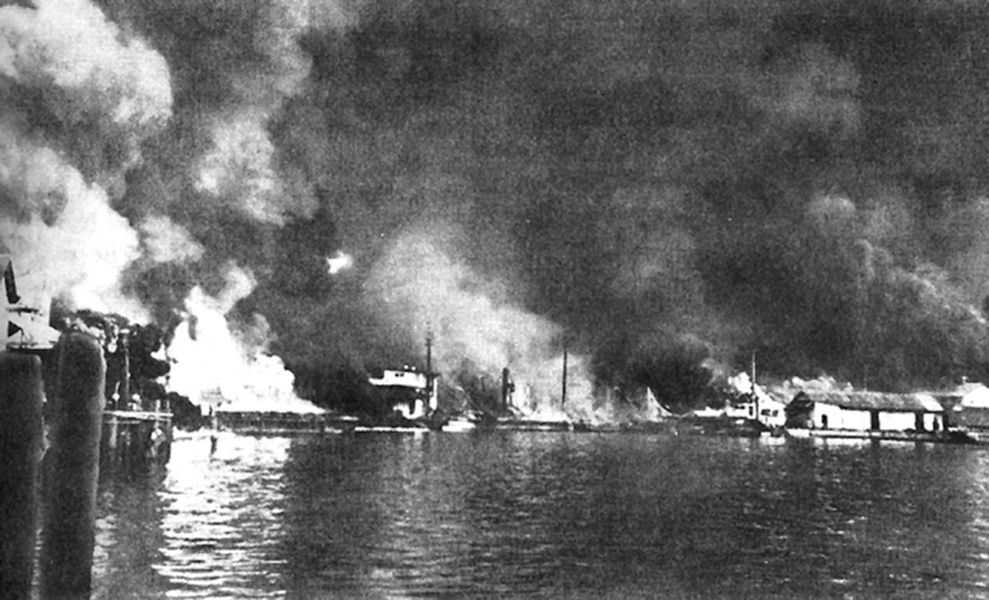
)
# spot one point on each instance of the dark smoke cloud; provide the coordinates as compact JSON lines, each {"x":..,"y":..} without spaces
{"x":672,"y":185}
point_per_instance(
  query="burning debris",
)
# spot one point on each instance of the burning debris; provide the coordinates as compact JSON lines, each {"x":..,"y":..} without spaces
{"x":339,"y":262}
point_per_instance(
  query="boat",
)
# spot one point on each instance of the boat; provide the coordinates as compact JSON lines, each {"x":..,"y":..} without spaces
{"x":459,"y":424}
{"x":722,"y":425}
{"x":523,"y":423}
{"x":409,"y":394}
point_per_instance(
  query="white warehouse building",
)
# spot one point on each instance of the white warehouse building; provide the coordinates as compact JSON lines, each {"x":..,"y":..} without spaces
{"x":865,"y":411}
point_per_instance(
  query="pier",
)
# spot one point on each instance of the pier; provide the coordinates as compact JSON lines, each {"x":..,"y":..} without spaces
{"x":134,"y":442}
{"x":53,"y":489}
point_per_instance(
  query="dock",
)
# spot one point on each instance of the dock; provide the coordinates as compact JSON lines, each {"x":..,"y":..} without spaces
{"x":134,"y":441}
{"x":951,"y":436}
{"x":282,"y":423}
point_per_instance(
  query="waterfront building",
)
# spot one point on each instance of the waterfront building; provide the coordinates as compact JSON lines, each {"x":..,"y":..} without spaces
{"x":864,"y":411}
{"x":758,"y":406}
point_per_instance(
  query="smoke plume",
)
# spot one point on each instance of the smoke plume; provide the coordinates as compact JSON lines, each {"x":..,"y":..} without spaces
{"x":669,"y":187}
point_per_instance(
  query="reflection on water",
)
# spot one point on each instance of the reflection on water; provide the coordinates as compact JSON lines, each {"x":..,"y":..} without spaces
{"x":549,"y":515}
{"x":207,"y":530}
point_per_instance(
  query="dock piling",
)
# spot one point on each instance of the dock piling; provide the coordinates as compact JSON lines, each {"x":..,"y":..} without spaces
{"x":70,"y":506}
{"x":21,"y":445}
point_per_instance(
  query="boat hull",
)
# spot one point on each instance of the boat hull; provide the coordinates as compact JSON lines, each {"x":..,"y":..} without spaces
{"x":722,"y":426}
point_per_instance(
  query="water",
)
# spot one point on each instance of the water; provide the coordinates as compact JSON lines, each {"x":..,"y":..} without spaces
{"x":549,"y":515}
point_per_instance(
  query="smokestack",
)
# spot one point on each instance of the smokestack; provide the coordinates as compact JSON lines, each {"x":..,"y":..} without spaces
{"x":7,"y":267}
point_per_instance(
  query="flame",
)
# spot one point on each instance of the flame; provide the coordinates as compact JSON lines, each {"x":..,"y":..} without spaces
{"x":339,"y":262}
{"x":215,"y":362}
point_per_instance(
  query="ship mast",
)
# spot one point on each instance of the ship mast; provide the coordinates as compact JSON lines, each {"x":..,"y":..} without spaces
{"x":563,"y":395}
{"x":429,"y":356}
{"x":755,"y":396}
{"x":430,"y":392}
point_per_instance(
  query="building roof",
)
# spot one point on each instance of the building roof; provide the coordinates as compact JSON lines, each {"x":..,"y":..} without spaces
{"x":877,"y":401}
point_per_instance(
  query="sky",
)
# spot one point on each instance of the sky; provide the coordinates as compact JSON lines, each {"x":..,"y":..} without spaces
{"x":664,"y":187}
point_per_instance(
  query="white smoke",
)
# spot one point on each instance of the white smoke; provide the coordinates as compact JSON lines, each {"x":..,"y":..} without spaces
{"x":168,"y":242}
{"x":417,"y":285}
{"x":241,"y":167}
{"x":66,"y":238}
{"x":69,"y":45}
{"x":85,"y":71}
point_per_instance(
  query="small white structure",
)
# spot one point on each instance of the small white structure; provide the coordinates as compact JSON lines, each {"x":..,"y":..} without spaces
{"x":968,"y":404}
{"x":760,"y":407}
{"x":865,"y":411}
{"x":972,"y":395}
{"x":422,"y":399}
{"x":755,"y":403}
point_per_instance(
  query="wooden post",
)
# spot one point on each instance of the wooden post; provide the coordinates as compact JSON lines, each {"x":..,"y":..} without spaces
{"x":123,"y":347}
{"x":70,"y":506}
{"x":21,"y":445}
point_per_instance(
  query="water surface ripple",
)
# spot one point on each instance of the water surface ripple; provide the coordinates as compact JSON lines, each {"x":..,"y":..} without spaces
{"x":548,"y":515}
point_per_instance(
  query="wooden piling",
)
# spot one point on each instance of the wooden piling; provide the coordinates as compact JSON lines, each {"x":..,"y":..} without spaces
{"x":70,"y":506}
{"x":21,"y":445}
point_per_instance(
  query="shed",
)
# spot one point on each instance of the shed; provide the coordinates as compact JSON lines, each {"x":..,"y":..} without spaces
{"x":865,"y":411}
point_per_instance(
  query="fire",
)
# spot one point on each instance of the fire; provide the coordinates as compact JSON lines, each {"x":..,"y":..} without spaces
{"x":223,"y":364}
{"x":339,"y":262}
